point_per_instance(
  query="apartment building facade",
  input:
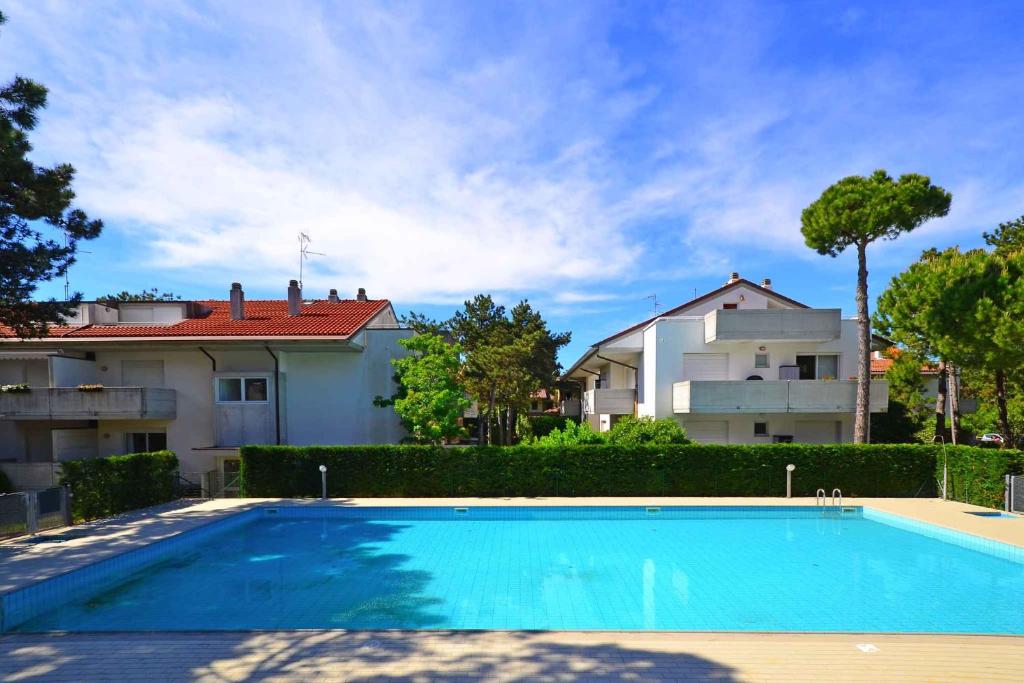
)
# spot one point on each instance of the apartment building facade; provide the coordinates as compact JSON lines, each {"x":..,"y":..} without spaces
{"x":740,"y":364}
{"x":201,"y":378}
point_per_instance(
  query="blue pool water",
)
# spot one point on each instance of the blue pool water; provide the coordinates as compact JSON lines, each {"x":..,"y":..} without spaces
{"x":794,"y":570}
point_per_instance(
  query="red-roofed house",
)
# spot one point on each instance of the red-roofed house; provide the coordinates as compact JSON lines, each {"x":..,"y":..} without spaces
{"x":201,"y":378}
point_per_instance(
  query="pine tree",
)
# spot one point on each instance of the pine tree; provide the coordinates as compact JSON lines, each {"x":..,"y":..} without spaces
{"x":39,"y":228}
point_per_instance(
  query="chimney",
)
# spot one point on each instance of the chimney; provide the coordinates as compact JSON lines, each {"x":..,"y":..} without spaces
{"x":237,"y":301}
{"x":733,"y":277}
{"x":333,"y":297}
{"x":766,"y":283}
{"x":294,"y":298}
{"x":361,"y":295}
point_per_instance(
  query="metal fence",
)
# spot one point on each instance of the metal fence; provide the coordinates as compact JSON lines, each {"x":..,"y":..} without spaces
{"x":28,"y":512}
{"x":1015,"y":493}
{"x":212,"y":484}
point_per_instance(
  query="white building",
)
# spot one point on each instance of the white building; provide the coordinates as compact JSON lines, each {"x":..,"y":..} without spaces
{"x":741,"y":364}
{"x":201,"y":378}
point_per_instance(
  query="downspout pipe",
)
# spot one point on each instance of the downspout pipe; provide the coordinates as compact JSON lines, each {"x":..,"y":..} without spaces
{"x":213,"y":361}
{"x":277,"y":396}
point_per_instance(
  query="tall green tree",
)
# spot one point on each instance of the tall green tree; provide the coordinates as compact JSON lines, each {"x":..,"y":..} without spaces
{"x":508,"y":355}
{"x":906,"y":313}
{"x":431,"y":396}
{"x":855,"y":212}
{"x":981,"y":323}
{"x":39,"y":228}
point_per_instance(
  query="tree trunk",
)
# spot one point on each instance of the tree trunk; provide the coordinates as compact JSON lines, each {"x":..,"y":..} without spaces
{"x":862,"y":421}
{"x":940,"y":401}
{"x":490,"y":419}
{"x":510,"y":433}
{"x":954,"y":401}
{"x":1004,"y":418}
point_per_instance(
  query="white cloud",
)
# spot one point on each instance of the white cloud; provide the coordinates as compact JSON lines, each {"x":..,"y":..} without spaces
{"x":433,"y":154}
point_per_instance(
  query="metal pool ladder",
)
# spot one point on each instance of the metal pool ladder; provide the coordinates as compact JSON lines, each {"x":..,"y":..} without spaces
{"x":840,"y":494}
{"x":819,"y":498}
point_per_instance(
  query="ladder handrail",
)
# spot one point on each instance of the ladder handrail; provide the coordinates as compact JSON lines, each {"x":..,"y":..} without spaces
{"x":819,"y":498}
{"x":834,"y":492}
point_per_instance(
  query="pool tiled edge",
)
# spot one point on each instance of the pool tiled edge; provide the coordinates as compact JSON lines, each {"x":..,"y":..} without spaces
{"x":20,"y":605}
{"x":946,"y":535}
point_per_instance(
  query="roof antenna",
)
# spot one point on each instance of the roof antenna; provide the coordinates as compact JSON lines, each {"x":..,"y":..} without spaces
{"x":654,"y":302}
{"x":305,"y":253}
{"x":67,"y":280}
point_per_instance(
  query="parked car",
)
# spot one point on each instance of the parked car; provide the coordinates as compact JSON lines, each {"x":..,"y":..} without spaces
{"x":991,"y":437}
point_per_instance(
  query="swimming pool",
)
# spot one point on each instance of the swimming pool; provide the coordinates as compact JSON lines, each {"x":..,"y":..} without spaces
{"x":578,"y":568}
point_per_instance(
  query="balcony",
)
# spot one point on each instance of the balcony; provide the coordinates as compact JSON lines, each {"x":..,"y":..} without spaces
{"x":569,"y":408}
{"x":609,"y":402}
{"x":112,"y":403}
{"x":772,"y":325}
{"x":774,"y":396}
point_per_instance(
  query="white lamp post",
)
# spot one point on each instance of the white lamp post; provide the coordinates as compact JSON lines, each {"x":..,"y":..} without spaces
{"x":323,"y":481}
{"x":789,"y":480}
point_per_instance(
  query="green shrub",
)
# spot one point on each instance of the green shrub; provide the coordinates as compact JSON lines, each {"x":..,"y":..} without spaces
{"x":883,"y":470}
{"x":5,"y":483}
{"x":634,"y":431}
{"x":101,"y":487}
{"x":542,"y":425}
{"x":977,"y":475}
{"x":572,"y":434}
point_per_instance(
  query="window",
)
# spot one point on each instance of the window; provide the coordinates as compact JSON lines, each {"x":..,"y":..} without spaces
{"x":145,"y":442}
{"x":241,"y":389}
{"x":760,"y":429}
{"x":730,"y":307}
{"x":761,"y":360}
{"x":818,"y":367}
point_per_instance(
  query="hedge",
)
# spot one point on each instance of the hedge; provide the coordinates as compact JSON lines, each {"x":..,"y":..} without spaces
{"x":977,"y":475}
{"x":879,"y":470}
{"x":5,"y":483}
{"x":101,"y":487}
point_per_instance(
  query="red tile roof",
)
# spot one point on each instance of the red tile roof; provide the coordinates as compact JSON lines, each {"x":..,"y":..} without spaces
{"x":880,"y":365}
{"x":267,"y":318}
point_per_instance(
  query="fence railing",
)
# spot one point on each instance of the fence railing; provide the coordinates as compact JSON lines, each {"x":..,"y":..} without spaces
{"x":29,"y":512}
{"x":212,"y":484}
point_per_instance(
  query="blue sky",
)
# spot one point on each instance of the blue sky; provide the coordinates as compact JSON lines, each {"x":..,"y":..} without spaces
{"x":580,"y":154}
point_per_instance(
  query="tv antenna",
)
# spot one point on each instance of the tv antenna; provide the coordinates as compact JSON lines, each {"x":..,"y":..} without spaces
{"x":305,"y":253}
{"x":67,"y":279}
{"x":654,"y":302}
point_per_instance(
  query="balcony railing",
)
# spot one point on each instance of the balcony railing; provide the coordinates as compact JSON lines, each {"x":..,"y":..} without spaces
{"x":774,"y":396}
{"x":569,"y":408}
{"x":772,"y":324}
{"x":111,"y":403}
{"x":609,"y":402}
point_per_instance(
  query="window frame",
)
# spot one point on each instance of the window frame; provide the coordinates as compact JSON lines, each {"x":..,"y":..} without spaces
{"x":242,"y":378}
{"x":817,"y":369}
{"x":767,"y":360}
{"x":148,"y":448}
{"x":767,"y":430}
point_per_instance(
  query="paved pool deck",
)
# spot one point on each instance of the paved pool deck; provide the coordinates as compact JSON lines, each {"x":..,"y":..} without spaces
{"x":489,"y":655}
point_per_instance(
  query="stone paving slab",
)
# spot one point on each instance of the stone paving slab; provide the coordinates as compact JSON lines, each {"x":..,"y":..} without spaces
{"x":508,"y":656}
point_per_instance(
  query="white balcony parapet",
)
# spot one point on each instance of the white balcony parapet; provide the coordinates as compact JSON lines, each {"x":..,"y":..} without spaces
{"x":111,"y":403}
{"x":609,"y":402}
{"x":772,"y":324}
{"x":570,"y":408}
{"x":774,"y":396}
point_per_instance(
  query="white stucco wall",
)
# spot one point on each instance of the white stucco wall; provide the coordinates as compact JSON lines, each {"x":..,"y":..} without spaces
{"x":190,"y":374}
{"x":329,"y":396}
